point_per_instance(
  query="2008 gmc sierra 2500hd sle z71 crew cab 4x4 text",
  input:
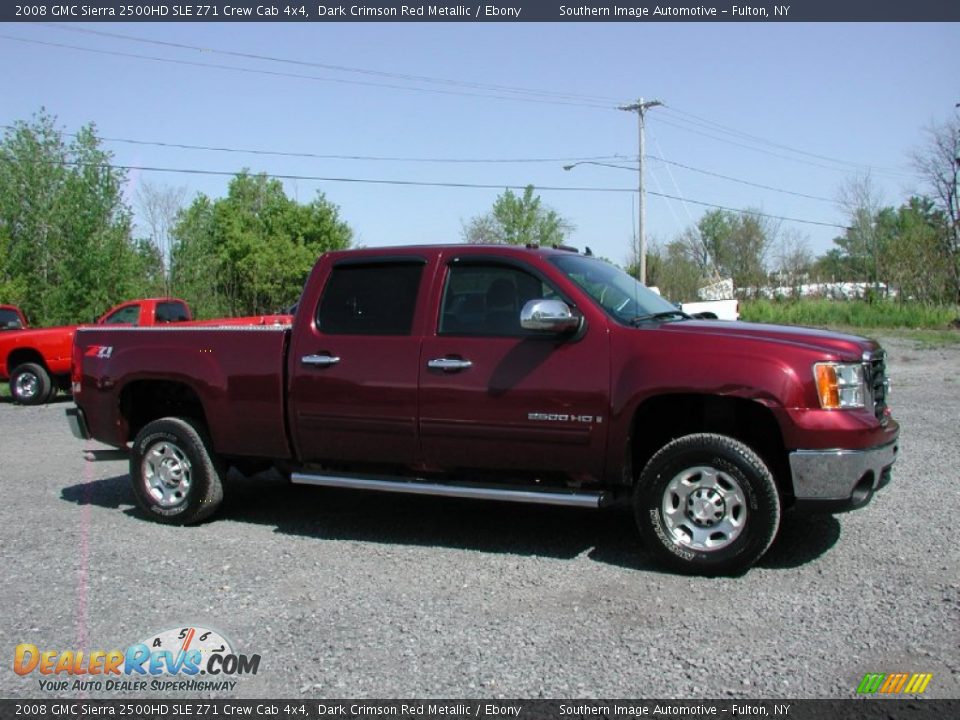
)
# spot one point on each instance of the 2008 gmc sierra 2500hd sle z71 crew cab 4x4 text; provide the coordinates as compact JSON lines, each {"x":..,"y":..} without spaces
{"x":502,"y":373}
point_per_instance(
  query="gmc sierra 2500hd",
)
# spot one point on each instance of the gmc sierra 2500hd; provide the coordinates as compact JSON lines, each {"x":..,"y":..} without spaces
{"x":501,"y":373}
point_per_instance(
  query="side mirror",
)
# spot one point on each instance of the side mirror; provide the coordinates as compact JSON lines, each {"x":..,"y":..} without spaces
{"x":548,"y":315}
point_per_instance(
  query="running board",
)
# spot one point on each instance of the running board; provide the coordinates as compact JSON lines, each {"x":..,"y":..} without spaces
{"x":575,"y":498}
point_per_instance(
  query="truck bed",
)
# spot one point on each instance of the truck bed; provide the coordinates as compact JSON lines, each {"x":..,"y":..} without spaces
{"x":236,"y":373}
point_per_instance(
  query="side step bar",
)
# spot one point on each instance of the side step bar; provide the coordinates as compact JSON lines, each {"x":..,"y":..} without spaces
{"x":577,"y":498}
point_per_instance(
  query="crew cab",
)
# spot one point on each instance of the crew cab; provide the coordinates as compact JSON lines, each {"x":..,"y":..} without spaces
{"x":37,"y":361}
{"x":501,"y":373}
{"x":12,"y":318}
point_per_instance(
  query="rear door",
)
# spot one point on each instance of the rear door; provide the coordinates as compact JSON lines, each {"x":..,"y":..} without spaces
{"x":353,"y":370}
{"x":494,"y":396}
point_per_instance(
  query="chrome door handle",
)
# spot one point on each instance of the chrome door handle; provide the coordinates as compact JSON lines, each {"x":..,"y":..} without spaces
{"x":320,"y":360}
{"x":449,"y":364}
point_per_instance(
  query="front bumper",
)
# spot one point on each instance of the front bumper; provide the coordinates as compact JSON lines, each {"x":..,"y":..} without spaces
{"x":78,"y":423}
{"x":838,"y":480}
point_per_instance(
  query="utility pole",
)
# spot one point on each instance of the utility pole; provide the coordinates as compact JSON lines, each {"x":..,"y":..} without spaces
{"x":640,"y":108}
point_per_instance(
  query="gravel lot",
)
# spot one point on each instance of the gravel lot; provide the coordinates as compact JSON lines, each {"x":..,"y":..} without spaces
{"x":348,"y":594}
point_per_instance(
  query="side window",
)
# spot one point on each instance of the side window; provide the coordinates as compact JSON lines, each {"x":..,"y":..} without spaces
{"x":130,"y":314}
{"x":487,"y":299}
{"x":9,"y":320}
{"x":168,"y":312}
{"x":375,"y":299}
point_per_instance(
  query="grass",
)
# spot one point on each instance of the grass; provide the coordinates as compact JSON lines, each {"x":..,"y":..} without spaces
{"x":927,"y":326}
{"x":851,"y":314}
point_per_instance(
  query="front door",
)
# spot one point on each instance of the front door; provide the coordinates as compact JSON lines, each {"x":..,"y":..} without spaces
{"x":495,"y":396}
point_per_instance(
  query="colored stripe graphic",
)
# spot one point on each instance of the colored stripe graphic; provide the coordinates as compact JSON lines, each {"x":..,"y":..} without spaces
{"x":894,"y":683}
{"x":871,"y":683}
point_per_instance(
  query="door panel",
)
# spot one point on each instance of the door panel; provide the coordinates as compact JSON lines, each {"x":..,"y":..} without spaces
{"x":353,"y":374}
{"x":526,"y":401}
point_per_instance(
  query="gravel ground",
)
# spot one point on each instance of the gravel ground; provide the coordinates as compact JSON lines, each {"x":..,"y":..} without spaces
{"x":348,"y":594}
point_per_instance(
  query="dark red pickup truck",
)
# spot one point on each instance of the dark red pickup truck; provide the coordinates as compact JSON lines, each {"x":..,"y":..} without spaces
{"x":501,"y":373}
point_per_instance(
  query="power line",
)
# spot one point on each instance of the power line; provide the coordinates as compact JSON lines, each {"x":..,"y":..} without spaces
{"x":337,"y":68}
{"x":537,"y":96}
{"x":542,"y":96}
{"x":381,"y":158}
{"x":320,"y":156}
{"x":742,"y":182}
{"x":771,"y":153}
{"x":422,"y":183}
{"x":277,"y":73}
{"x":699,"y":170}
{"x":703,"y":122}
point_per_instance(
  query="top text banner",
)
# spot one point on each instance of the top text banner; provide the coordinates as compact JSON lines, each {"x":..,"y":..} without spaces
{"x":478,"y":11}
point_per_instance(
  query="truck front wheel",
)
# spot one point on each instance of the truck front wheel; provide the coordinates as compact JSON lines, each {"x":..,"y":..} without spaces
{"x":707,"y":504}
{"x":30,"y":384}
{"x":176,"y":479}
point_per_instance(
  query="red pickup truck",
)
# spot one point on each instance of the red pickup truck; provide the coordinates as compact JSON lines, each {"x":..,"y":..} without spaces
{"x":37,"y":361}
{"x":502,"y":373}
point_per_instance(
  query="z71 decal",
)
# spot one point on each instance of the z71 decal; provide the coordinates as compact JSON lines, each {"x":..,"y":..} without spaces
{"x":99,"y":351}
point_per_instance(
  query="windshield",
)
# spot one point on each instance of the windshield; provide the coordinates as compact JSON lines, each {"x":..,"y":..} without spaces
{"x":620,"y":296}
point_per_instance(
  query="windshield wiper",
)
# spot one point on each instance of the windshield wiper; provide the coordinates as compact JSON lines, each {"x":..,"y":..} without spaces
{"x":659,"y":316}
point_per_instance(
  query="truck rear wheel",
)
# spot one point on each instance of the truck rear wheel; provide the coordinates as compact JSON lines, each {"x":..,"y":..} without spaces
{"x":707,"y":504}
{"x":175,"y":478}
{"x":30,"y":384}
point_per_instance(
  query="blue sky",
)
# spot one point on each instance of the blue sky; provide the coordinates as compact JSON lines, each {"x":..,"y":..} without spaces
{"x":741,"y":100}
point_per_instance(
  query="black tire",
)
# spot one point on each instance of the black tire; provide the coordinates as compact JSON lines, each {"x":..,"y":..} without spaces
{"x":57,"y":383}
{"x":30,"y":384}
{"x":707,"y":505}
{"x":175,"y":477}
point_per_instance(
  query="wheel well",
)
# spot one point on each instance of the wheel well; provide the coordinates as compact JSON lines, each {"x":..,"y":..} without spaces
{"x":143,"y":401}
{"x":664,"y":418}
{"x":25,"y":355}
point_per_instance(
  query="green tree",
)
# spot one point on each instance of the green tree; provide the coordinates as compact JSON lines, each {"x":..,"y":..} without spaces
{"x":671,"y":269}
{"x":66,"y":252}
{"x":863,"y":242}
{"x":939,"y":164}
{"x":833,"y":266}
{"x":251,"y":251}
{"x":731,"y":245}
{"x":913,"y":251}
{"x":518,"y":220}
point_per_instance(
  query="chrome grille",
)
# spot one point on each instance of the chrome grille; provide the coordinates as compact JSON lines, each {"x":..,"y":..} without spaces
{"x":875,"y":374}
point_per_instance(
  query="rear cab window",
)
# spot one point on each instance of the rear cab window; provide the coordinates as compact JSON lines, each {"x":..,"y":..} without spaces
{"x":171,"y":312}
{"x":370,"y":298}
{"x":9,"y":319}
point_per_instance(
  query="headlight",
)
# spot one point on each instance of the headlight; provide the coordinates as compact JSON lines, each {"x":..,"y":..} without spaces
{"x":840,"y":385}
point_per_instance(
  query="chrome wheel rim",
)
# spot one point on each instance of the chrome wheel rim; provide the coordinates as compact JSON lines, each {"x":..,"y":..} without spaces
{"x":166,"y":473}
{"x":704,"y":508}
{"x":26,"y":386}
